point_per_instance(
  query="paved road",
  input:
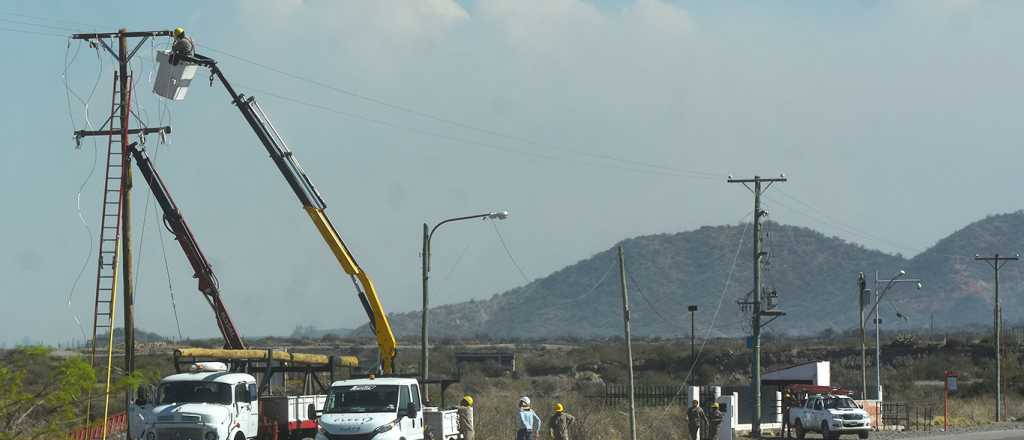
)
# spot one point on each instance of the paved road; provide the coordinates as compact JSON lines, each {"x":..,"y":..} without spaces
{"x":990,"y":435}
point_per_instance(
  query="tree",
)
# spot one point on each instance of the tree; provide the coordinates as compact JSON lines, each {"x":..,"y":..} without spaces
{"x":40,"y":394}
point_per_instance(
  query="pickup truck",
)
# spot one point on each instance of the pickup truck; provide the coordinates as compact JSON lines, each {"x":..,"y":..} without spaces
{"x":386,"y":408}
{"x":830,"y":415}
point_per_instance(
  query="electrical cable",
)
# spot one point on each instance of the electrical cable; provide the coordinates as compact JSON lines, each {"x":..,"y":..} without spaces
{"x":170,"y":285}
{"x":490,"y":132}
{"x":7,"y":29}
{"x":81,"y":188}
{"x":509,"y":253}
{"x":650,"y":304}
{"x":718,"y":307}
{"x":465,"y":141}
{"x":44,"y":26}
{"x":456,"y":264}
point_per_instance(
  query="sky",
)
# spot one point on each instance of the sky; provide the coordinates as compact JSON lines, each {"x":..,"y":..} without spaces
{"x":896,"y":123}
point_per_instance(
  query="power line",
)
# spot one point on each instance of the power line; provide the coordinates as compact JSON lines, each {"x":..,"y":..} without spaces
{"x":509,"y":253}
{"x":44,"y":26}
{"x":486,"y":131}
{"x":490,"y":146}
{"x":7,"y":29}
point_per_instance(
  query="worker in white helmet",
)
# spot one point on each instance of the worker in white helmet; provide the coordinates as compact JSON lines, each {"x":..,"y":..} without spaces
{"x":527,"y":421}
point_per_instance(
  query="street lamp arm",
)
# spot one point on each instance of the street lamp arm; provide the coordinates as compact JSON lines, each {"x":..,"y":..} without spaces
{"x":501,"y":215}
{"x":455,"y":219}
{"x":890,"y":284}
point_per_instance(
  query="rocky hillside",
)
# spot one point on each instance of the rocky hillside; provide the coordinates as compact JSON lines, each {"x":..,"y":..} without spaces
{"x":813,"y":274}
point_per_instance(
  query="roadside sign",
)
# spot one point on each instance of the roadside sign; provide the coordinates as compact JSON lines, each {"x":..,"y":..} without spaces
{"x":951,"y":383}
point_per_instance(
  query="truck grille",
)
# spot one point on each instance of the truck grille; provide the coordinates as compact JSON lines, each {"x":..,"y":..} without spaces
{"x":851,"y":416}
{"x":180,"y":433}
{"x":348,"y":436}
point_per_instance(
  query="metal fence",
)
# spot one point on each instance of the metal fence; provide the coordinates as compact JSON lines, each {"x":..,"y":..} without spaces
{"x":918,"y":416}
{"x":644,"y":395}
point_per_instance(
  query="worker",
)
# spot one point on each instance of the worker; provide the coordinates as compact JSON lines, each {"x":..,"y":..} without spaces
{"x":714,"y":421}
{"x":527,"y":420}
{"x":183,"y":45}
{"x":788,"y":402}
{"x":465,"y":410}
{"x":558,"y":425}
{"x":696,"y":420}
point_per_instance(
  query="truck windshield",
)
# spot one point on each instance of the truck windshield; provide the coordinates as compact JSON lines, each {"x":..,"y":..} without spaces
{"x":362,"y":399}
{"x":195,"y":392}
{"x":840,"y":403}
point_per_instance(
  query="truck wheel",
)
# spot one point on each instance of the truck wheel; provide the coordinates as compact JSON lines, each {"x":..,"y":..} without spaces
{"x":862,"y":434}
{"x":825,"y":434}
{"x":799,"y":428}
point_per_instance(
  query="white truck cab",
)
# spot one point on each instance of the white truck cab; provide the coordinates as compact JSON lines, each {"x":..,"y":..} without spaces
{"x":387,"y":408}
{"x":830,"y":415}
{"x":207,"y":403}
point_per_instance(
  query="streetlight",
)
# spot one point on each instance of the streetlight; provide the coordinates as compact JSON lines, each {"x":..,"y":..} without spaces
{"x":896,"y":279}
{"x":428,"y":233}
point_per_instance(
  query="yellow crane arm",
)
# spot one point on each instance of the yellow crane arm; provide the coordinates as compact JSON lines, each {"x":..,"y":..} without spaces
{"x":386,"y":341}
{"x":314,"y":205}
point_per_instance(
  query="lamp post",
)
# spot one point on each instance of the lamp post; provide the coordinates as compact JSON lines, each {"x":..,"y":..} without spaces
{"x":879,"y":295}
{"x":428,"y":234}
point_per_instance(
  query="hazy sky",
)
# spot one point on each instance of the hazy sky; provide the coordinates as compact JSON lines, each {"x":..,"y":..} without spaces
{"x":896,"y":122}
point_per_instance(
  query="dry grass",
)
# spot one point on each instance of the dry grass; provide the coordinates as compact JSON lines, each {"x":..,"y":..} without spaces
{"x":496,"y":412}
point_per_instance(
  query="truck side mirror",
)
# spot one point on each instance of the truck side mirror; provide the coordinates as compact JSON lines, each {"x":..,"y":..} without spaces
{"x":311,"y":412}
{"x":411,"y":410}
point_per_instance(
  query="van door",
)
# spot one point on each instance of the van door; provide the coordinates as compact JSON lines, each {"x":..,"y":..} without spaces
{"x":404,"y":398}
{"x":248,"y":407}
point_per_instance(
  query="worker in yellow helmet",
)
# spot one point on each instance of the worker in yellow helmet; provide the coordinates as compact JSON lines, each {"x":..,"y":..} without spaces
{"x":465,"y":411}
{"x":715,"y":417}
{"x":560,"y":422}
{"x":183,"y":45}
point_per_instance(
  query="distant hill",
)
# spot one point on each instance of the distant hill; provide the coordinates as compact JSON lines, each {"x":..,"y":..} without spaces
{"x":311,"y":332}
{"x":814,"y":275}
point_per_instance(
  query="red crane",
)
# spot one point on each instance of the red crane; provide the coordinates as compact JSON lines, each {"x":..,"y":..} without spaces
{"x":176,"y":224}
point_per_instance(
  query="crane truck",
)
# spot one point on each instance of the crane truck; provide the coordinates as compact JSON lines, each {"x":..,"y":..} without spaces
{"x":210,"y":400}
{"x":386,"y":408}
{"x":314,"y":205}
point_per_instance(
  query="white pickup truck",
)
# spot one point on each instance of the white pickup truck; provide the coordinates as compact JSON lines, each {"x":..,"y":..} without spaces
{"x":830,"y":415}
{"x":387,"y":408}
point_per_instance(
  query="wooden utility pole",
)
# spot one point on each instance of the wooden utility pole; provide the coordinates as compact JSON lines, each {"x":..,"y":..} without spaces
{"x":629,"y":344}
{"x":757,"y":312}
{"x":997,"y":262}
{"x":122,"y":132}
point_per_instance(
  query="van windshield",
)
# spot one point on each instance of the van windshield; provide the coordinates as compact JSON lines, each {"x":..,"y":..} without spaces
{"x":195,"y":392}
{"x":362,"y":399}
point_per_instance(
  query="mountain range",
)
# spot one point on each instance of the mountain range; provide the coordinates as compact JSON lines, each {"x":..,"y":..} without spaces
{"x":813,"y":276}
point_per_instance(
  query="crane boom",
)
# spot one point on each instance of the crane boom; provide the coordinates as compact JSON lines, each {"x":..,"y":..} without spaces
{"x":203,"y":271}
{"x":314,"y":206}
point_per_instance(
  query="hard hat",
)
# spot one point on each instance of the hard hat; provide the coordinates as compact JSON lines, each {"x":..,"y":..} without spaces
{"x":179,"y":32}
{"x":559,"y":407}
{"x":524,"y":401}
{"x":468,"y":399}
{"x":714,"y":405}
